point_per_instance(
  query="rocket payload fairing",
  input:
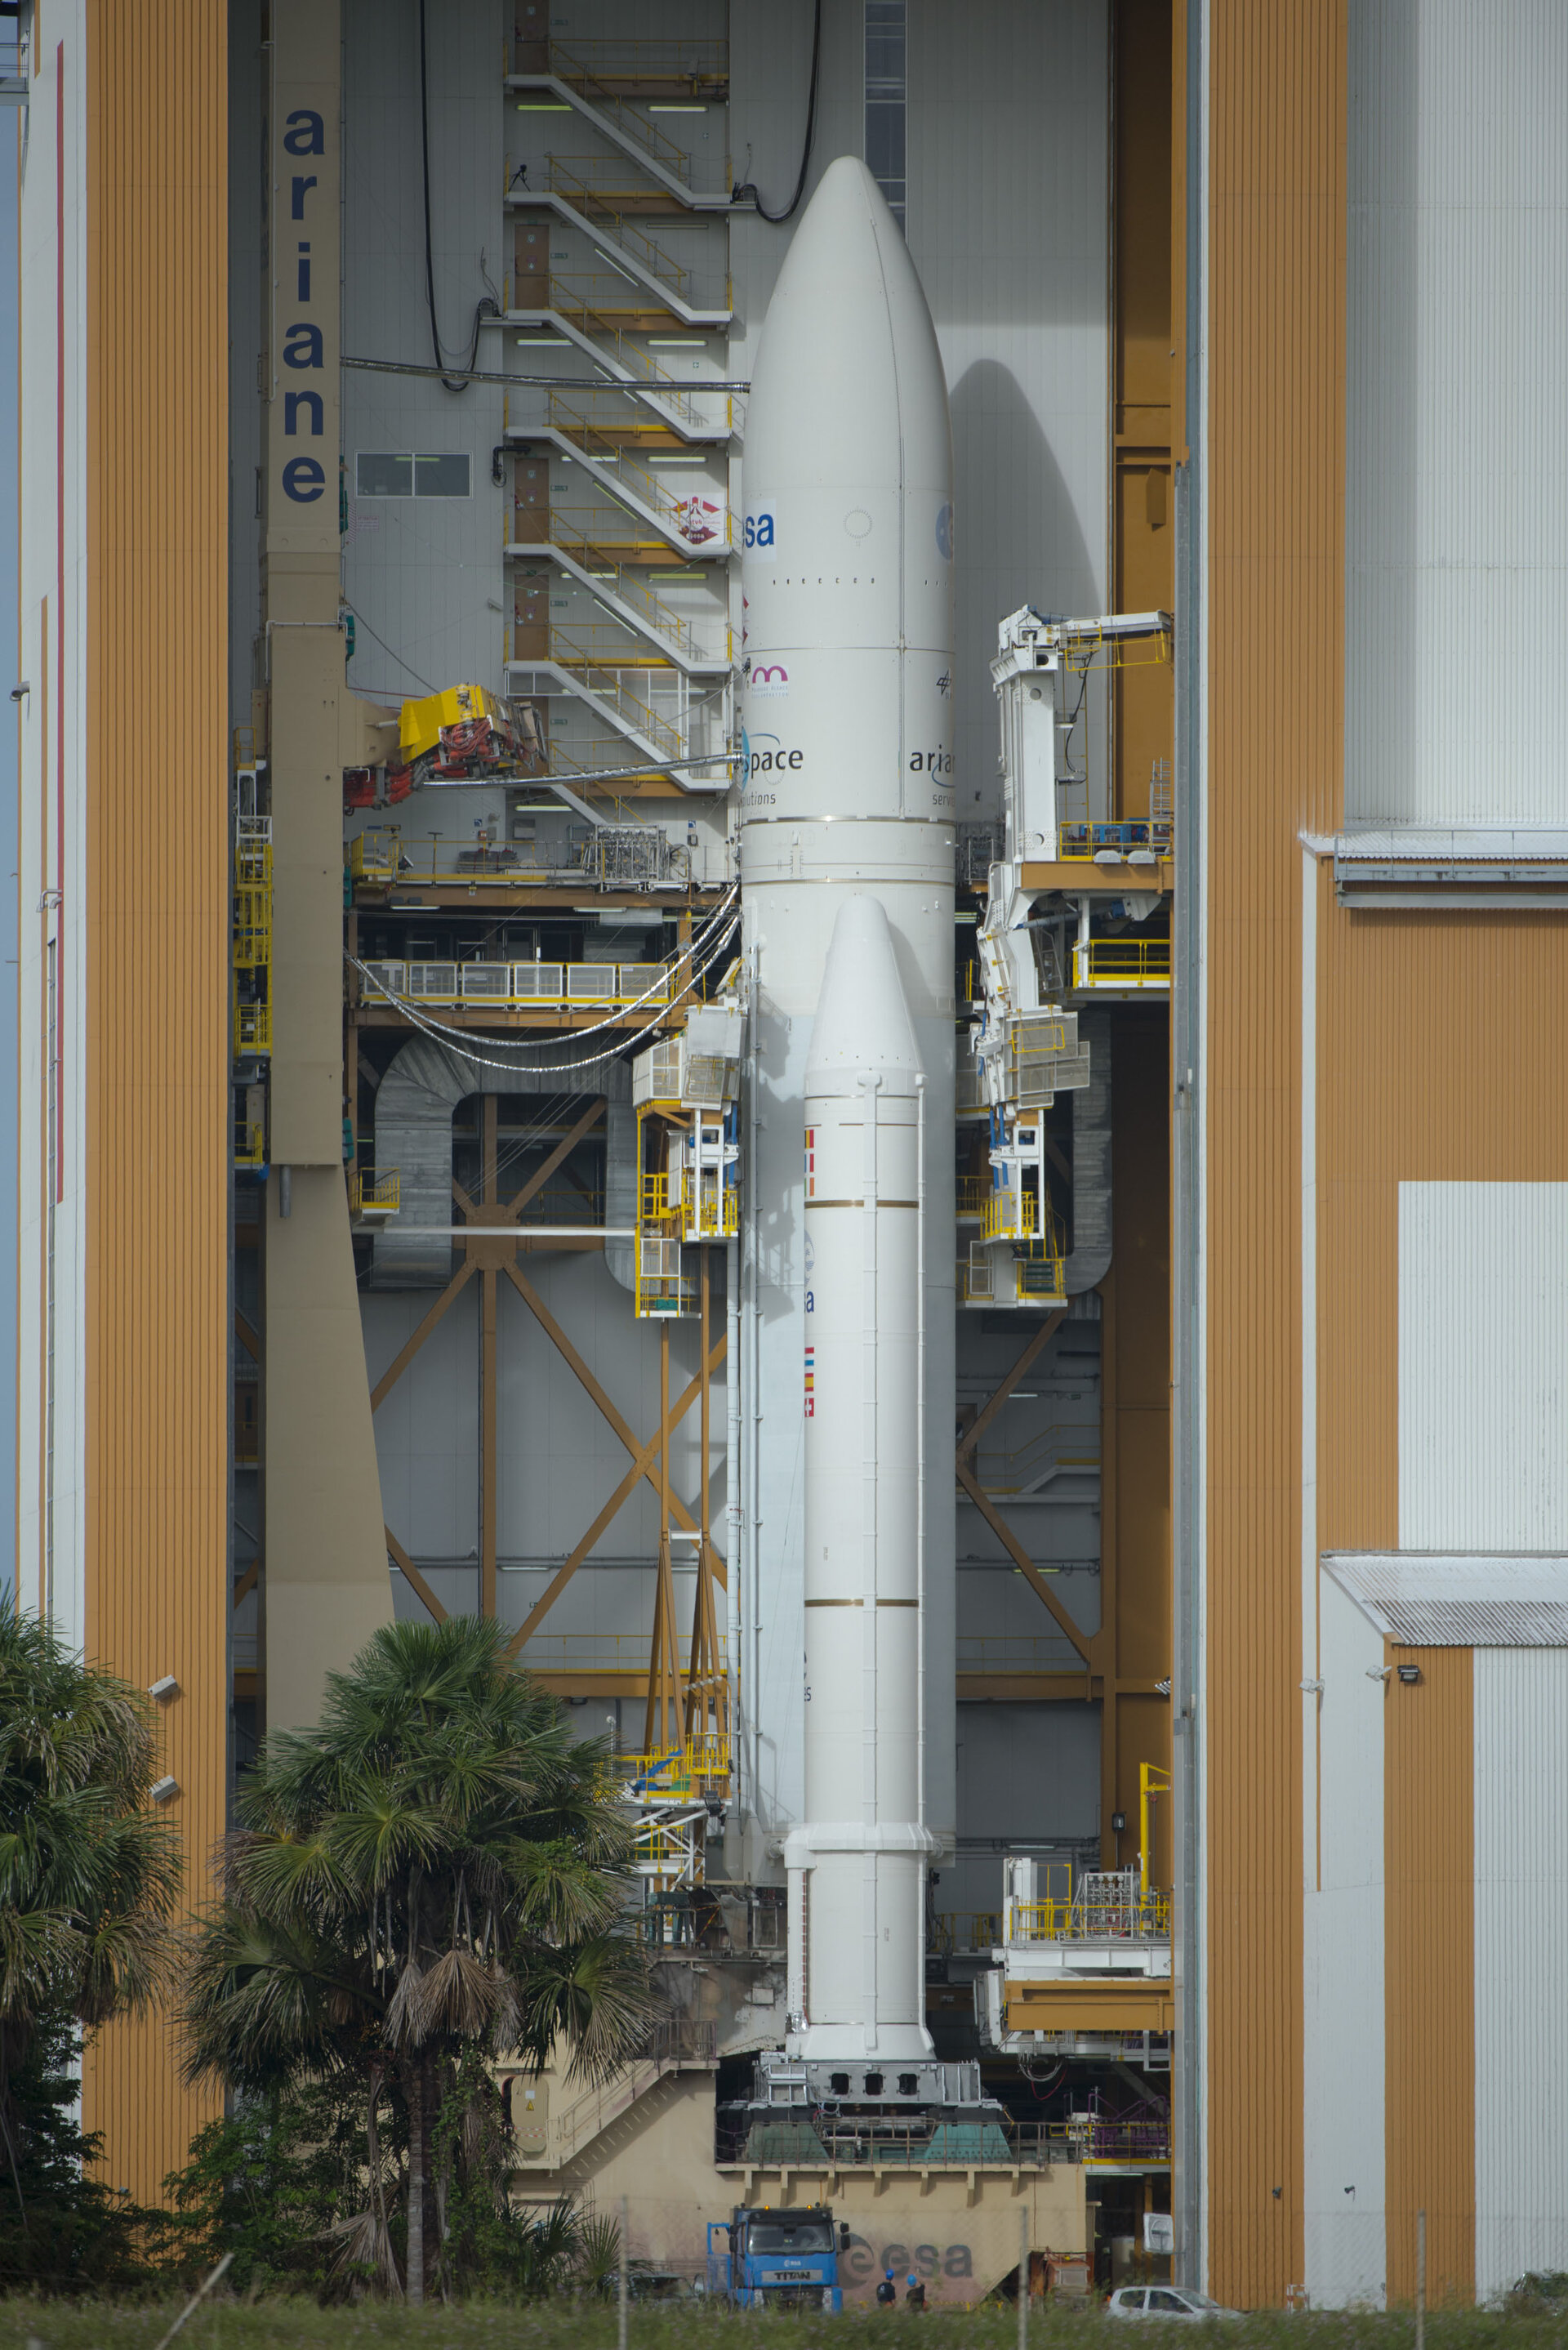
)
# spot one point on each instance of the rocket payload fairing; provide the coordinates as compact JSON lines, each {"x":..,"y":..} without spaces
{"x":847,"y":872}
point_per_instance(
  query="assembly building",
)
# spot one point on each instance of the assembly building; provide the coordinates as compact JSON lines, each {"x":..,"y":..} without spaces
{"x":792,"y":872}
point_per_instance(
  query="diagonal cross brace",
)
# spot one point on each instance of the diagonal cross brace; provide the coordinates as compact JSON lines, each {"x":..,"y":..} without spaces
{"x":1084,"y":1642}
{"x":569,"y":1355}
{"x":627,"y":1486}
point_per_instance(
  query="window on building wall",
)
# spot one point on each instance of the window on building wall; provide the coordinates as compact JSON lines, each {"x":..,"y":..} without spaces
{"x":885,"y":93}
{"x":399,"y":473}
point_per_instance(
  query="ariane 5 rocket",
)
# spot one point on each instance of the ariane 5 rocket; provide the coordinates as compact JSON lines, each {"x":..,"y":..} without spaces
{"x":846,"y":863}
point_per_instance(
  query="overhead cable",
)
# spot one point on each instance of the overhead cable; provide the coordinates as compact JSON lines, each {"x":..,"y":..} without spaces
{"x":486,"y":307}
{"x":697,"y":942}
{"x":748,"y":187}
{"x":601,"y":382}
{"x":448,"y":1037}
{"x":684,"y":954}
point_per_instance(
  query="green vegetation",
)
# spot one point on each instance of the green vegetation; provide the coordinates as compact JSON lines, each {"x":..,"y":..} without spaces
{"x":88,"y":1881}
{"x":574,"y":2325}
{"x":435,"y":1876}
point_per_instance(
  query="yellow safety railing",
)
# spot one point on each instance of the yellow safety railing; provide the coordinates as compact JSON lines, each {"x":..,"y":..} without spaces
{"x":717,"y":1213}
{"x":579,"y":299}
{"x":599,"y":541}
{"x":654,"y":1203}
{"x":687,"y":1770}
{"x":1123,"y":962}
{"x":374,"y":854}
{"x":1080,"y":844}
{"x":253,"y":849}
{"x":1152,"y":1782}
{"x":605,"y":679}
{"x":1010,"y":1215}
{"x":625,"y":583}
{"x":626,"y":60}
{"x":591,"y":67}
{"x":663,"y":1284}
{"x":250,"y":917}
{"x":253,"y":1029}
{"x":565,"y":177}
{"x":581,"y":431}
{"x":373,"y":1194}
{"x":253,"y":926}
{"x":242,"y":745}
{"x":1040,"y":1276}
{"x":1146,"y":1918}
{"x":974,"y":1191}
{"x":962,"y":1930}
{"x":1084,"y":648}
{"x":250,"y":1143}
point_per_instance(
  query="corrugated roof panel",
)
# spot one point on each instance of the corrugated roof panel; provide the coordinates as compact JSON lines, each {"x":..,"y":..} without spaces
{"x":1465,"y":1599}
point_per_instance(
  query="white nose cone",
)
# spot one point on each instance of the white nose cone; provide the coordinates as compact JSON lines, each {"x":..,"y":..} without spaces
{"x":847,"y":564}
{"x":862,"y":1024}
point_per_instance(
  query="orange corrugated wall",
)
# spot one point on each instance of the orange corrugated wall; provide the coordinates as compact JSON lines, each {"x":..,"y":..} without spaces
{"x":1403,"y":1009}
{"x":157,"y":949}
{"x":1275,"y":460}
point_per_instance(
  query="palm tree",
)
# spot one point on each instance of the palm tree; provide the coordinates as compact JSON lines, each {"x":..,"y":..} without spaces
{"x":435,"y":1876}
{"x":88,"y":1876}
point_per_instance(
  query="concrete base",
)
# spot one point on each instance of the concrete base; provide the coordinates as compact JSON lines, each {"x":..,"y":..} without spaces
{"x":957,"y":2229}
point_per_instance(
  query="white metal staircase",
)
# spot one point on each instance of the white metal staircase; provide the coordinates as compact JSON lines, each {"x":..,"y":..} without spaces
{"x":646,"y":379}
{"x":570,"y":195}
{"x":629,"y":599}
{"x":651,"y":149}
{"x":695,"y":528}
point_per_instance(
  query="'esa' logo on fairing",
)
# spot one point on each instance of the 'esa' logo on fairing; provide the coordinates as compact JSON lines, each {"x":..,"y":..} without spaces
{"x":759,"y":529}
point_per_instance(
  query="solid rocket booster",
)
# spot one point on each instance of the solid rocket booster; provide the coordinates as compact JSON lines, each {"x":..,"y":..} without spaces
{"x":847,"y":864}
{"x":864,"y":1843}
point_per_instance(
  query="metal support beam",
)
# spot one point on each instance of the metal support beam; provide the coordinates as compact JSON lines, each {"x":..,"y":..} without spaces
{"x":627,"y":1486}
{"x":389,"y":1377}
{"x":666,"y":1704}
{"x":1085,"y":1643}
{"x":1110,"y":1856}
{"x":983,"y":1417}
{"x":411,"y":1574}
{"x":569,"y":1355}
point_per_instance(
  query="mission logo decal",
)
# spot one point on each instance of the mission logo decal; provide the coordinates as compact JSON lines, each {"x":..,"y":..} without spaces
{"x":773,"y":760}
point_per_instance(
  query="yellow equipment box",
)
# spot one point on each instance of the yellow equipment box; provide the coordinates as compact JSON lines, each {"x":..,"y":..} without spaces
{"x":420,"y":725}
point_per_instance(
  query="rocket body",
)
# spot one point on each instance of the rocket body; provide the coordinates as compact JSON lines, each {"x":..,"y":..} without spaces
{"x":846,"y":865}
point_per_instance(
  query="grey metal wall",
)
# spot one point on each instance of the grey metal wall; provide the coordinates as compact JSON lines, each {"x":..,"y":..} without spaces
{"x":424,"y":575}
{"x":1456,"y":476}
{"x":1521,"y":1933}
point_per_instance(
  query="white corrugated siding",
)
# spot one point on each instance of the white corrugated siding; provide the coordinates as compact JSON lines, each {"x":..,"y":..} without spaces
{"x":1343,"y":1994}
{"x":1521,"y":1934}
{"x":1457,"y":470}
{"x":1483,"y":1366}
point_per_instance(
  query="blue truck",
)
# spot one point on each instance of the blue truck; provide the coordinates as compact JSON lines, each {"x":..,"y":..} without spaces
{"x":777,"y":2259}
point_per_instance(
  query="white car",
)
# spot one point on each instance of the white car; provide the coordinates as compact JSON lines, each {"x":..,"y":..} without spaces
{"x":1170,"y":2301}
